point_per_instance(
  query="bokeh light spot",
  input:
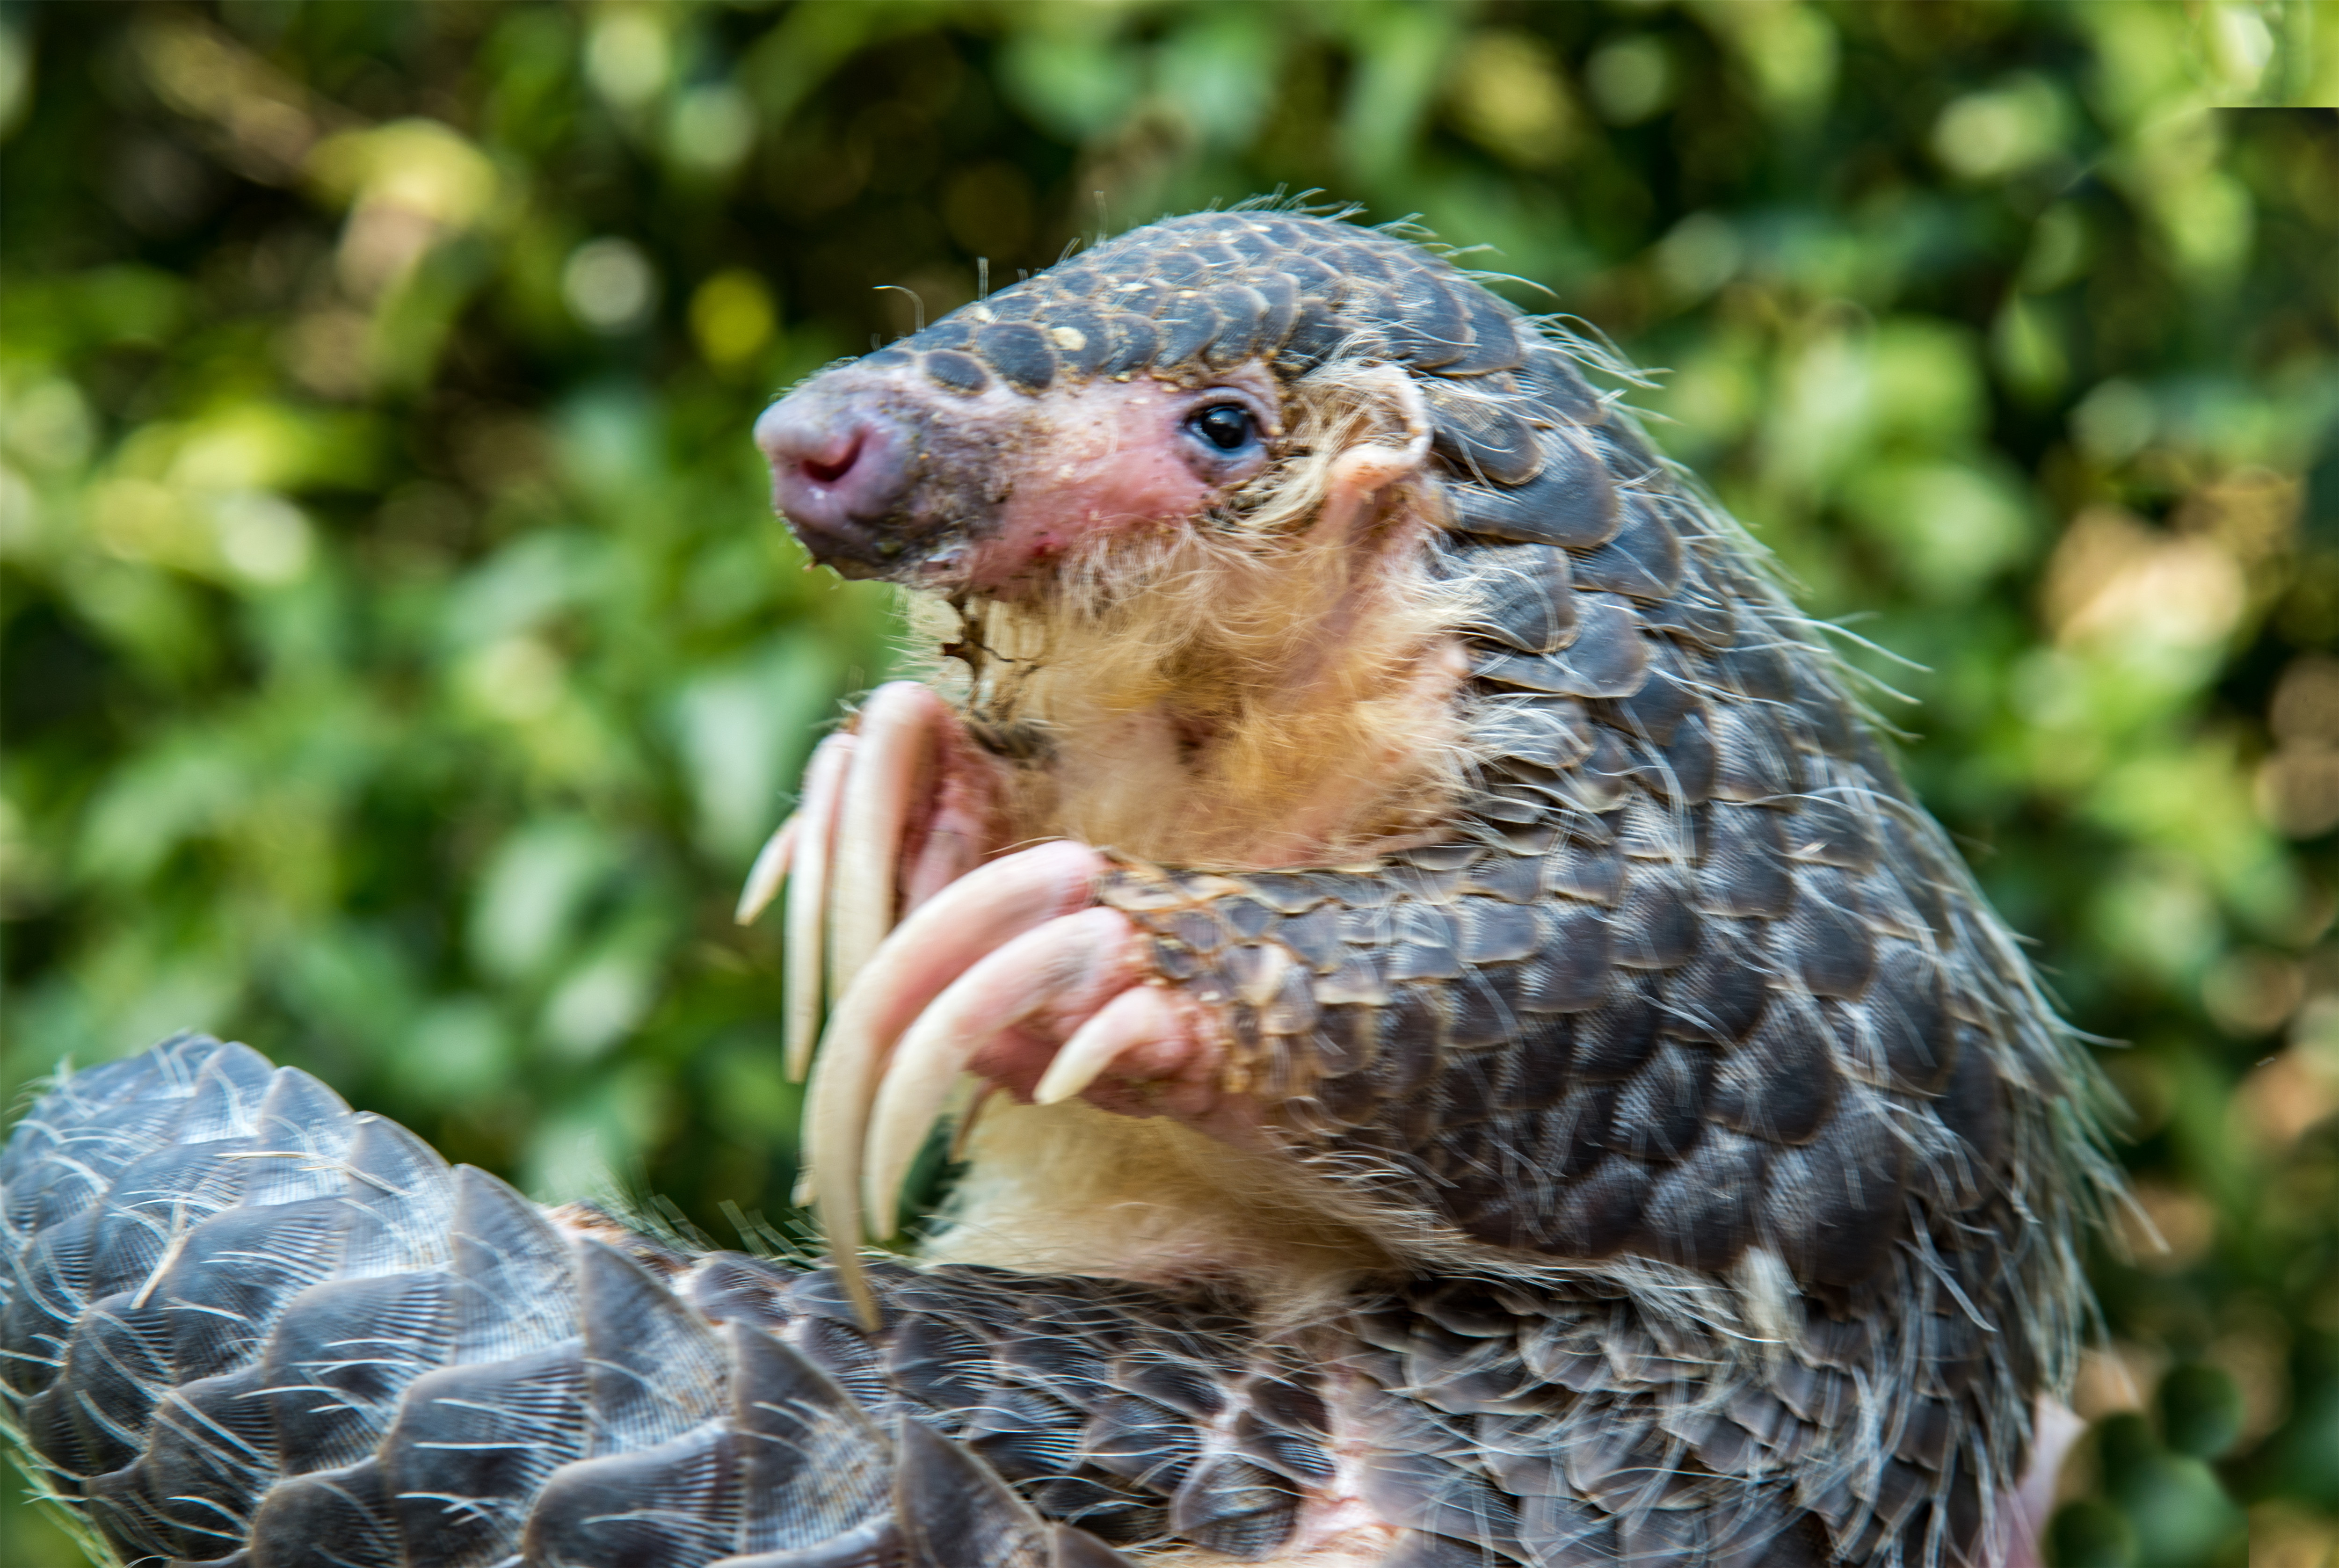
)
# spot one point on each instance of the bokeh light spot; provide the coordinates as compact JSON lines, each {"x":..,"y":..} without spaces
{"x":610,"y":284}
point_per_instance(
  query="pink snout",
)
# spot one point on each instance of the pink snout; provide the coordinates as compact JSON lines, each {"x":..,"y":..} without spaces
{"x":840,"y":472}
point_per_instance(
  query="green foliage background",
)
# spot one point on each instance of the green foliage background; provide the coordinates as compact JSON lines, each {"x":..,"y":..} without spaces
{"x":401,"y":664}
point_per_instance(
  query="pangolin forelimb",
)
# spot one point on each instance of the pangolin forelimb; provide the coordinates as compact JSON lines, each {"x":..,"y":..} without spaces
{"x":965,"y":921}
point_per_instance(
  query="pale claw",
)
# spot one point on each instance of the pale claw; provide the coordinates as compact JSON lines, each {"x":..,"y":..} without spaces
{"x":1141,"y":1017}
{"x":807,"y":912}
{"x":961,"y":924}
{"x":893,"y":762}
{"x":770,"y":870}
{"x":1069,"y":967}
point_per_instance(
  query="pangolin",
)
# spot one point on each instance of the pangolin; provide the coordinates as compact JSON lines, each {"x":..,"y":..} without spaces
{"x":1466,"y":1050}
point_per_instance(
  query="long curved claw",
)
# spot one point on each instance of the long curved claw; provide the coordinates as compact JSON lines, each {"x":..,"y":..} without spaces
{"x":1069,"y":967}
{"x":961,"y":829}
{"x":806,"y":918}
{"x":770,"y":870}
{"x":952,"y":931}
{"x":1138,"y":1022}
{"x":893,"y":763}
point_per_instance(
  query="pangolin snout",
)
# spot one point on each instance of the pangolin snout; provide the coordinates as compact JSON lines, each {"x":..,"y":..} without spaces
{"x":842,"y":472}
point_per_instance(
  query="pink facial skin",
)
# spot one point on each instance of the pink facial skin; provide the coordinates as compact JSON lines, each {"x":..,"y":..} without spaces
{"x":883,"y":473}
{"x":1113,"y":458}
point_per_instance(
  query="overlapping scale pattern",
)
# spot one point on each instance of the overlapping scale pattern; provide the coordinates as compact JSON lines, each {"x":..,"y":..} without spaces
{"x":1190,"y":296}
{"x":438,"y":1372}
{"x":243,"y":1325}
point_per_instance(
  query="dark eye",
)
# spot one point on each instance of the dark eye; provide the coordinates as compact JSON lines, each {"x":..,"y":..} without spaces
{"x":1226,"y":426}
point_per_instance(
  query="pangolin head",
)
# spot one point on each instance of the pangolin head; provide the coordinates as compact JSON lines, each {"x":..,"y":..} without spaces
{"x":1145,"y":384}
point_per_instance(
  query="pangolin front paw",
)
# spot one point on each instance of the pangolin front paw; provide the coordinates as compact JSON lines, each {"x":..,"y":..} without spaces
{"x":1012,"y":974}
{"x":1004,"y":968}
{"x":895,"y":807}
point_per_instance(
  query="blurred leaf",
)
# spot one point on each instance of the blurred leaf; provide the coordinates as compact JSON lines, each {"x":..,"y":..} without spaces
{"x":2200,"y":1410}
{"x":533,"y":892}
{"x":1401,"y":51}
{"x":604,"y":997}
{"x":1075,"y":79}
{"x":1219,"y":70}
{"x":743,"y":731}
{"x":2089,"y":1534}
{"x":2180,"y":1513}
{"x":1950,"y":527}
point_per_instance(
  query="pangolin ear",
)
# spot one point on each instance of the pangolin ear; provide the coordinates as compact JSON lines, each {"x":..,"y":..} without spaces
{"x":1376,"y":462}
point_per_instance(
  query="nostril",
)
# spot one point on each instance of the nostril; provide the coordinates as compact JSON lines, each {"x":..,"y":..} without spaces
{"x":828,"y":473}
{"x":840,"y":469}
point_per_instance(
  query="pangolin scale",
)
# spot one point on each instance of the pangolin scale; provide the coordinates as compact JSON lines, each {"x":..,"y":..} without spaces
{"x":1719,"y":1168}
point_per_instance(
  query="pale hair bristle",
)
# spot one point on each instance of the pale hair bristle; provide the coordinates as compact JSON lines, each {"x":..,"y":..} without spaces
{"x":1071,"y":1190}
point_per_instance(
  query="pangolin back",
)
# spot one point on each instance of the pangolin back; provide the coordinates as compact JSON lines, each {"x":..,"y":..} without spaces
{"x":1734,"y":1164}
